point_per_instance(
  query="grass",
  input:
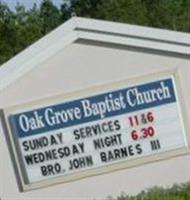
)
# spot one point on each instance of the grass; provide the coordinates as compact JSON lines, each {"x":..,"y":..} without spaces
{"x":176,"y":192}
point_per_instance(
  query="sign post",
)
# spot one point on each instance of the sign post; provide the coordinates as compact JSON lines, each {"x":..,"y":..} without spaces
{"x":98,"y":130}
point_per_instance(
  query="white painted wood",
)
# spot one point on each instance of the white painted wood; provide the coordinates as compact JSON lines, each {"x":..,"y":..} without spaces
{"x":95,"y":30}
{"x":136,"y":42}
{"x":82,"y":65}
{"x":127,"y":30}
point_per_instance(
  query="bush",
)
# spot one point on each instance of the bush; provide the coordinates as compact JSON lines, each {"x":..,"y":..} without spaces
{"x":176,"y":192}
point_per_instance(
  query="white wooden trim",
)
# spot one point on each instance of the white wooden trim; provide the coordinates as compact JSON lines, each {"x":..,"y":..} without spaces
{"x":134,"y":42}
{"x":95,"y":30}
{"x":37,"y":53}
{"x":92,"y":91}
{"x":133,"y":31}
{"x":14,"y":72}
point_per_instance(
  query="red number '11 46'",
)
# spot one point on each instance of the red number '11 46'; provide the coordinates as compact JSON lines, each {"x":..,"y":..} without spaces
{"x":141,"y":119}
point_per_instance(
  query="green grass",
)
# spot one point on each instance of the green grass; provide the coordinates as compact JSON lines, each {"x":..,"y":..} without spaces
{"x":177,"y":192}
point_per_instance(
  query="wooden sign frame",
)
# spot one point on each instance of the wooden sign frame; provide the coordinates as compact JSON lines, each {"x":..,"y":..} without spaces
{"x":16,"y":154}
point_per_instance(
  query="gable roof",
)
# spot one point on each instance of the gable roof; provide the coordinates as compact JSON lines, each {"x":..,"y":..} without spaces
{"x":93,"y":30}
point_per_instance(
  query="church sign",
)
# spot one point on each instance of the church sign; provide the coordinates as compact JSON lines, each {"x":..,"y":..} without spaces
{"x":97,"y":130}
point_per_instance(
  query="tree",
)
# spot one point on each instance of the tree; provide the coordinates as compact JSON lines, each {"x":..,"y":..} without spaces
{"x":20,"y":28}
{"x":86,"y":8}
{"x":49,"y":15}
{"x":130,"y":11}
{"x":34,"y":24}
{"x":7,"y":33}
{"x":169,"y":14}
{"x":65,"y":12}
{"x":28,"y":26}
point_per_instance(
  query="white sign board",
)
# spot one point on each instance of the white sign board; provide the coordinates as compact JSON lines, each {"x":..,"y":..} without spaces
{"x":98,"y":130}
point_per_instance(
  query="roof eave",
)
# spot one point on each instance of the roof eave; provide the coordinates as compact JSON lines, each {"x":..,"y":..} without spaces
{"x":94,"y":30}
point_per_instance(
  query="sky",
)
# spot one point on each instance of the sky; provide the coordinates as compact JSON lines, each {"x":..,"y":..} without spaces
{"x":28,"y":3}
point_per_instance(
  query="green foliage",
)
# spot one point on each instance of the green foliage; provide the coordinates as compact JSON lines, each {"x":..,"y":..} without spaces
{"x":86,"y":8}
{"x":7,"y":33}
{"x":49,"y":16}
{"x":170,"y":14}
{"x":177,"y":192}
{"x":21,"y":27}
{"x":130,"y":11}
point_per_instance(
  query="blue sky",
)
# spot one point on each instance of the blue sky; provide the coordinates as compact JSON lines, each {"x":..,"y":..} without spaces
{"x":28,"y":3}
